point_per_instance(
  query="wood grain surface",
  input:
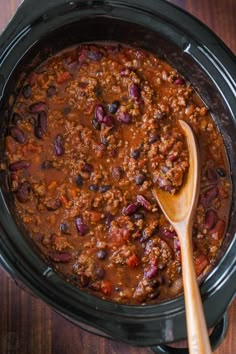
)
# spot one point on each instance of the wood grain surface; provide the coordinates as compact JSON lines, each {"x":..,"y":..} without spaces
{"x":27,"y":325}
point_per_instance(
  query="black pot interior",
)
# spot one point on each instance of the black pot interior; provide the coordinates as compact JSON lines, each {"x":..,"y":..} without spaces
{"x":168,"y":41}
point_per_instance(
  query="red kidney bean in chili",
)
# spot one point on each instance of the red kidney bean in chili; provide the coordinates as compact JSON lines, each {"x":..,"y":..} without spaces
{"x":90,"y":135}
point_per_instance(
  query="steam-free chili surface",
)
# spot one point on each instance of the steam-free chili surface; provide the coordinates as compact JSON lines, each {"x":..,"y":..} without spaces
{"x":94,"y":128}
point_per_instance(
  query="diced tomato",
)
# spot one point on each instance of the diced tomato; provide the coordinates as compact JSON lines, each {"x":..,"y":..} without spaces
{"x":64,"y":200}
{"x":132,"y":261}
{"x":118,"y":236}
{"x":63,"y":77}
{"x":106,"y":287}
{"x":201,"y":262}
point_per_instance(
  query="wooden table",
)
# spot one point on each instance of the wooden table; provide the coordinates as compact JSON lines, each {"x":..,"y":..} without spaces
{"x":27,"y":325}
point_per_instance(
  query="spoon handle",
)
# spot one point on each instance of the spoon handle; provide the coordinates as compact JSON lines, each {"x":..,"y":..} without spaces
{"x":198,"y":339}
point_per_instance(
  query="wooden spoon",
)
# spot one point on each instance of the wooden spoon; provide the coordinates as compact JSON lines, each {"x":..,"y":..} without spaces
{"x":179,"y":209}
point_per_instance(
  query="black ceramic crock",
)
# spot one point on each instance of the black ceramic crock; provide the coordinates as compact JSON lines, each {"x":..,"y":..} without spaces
{"x":46,"y":26}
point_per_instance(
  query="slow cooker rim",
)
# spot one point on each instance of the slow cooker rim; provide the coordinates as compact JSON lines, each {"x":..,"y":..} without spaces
{"x":126,"y":305}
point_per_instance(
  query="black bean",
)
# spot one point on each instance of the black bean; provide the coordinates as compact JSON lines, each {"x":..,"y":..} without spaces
{"x":38,"y":107}
{"x":66,"y":110}
{"x":18,"y":134}
{"x":104,"y":141}
{"x":221,"y":171}
{"x":51,"y":91}
{"x":47,"y":164}
{"x":102,"y":254}
{"x":153,"y":138}
{"x":23,"y":192}
{"x":79,"y":180}
{"x":93,"y":187}
{"x":155,"y":294}
{"x":16,"y":118}
{"x":135,"y":154}
{"x":117,"y":172}
{"x":104,"y":188}
{"x":124,"y":117}
{"x":96,"y":124}
{"x":113,"y":107}
{"x":139,"y":179}
{"x":19,"y":165}
{"x":100,"y":273}
{"x":64,"y":228}
{"x":82,"y":228}
{"x":138,"y":216}
{"x":27,"y":91}
{"x":155,"y":283}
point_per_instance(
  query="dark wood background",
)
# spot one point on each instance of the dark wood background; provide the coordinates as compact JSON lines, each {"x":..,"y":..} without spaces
{"x":27,"y":325}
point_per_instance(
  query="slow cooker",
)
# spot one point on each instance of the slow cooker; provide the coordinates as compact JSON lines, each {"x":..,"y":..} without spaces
{"x":39,"y":29}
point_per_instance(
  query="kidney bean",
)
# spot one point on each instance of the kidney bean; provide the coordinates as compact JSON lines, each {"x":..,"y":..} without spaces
{"x":46,"y":165}
{"x":113,"y":107}
{"x":18,"y":134}
{"x":211,"y":175}
{"x":218,"y":231}
{"x":87,"y":168}
{"x":52,"y":204}
{"x":51,"y":91}
{"x":117,"y":172}
{"x":108,"y":218}
{"x":79,"y":180}
{"x":134,"y":92}
{"x":209,"y":195}
{"x":124,"y":117}
{"x":130,"y":209}
{"x":23,"y":192}
{"x":43,"y":121}
{"x":176,"y":245}
{"x":139,"y":179}
{"x":38,"y":132}
{"x":141,"y":200}
{"x":108,"y":121}
{"x":38,"y":107}
{"x":94,"y":55}
{"x":59,"y":145}
{"x":151,"y":272}
{"x":104,"y":188}
{"x":59,"y":257}
{"x":179,"y":81}
{"x":168,"y":233}
{"x":221,"y":171}
{"x":19,"y":165}
{"x":16,"y":119}
{"x":102,"y":254}
{"x":27,"y":91}
{"x":81,"y":227}
{"x":99,"y":113}
{"x":210,"y":219}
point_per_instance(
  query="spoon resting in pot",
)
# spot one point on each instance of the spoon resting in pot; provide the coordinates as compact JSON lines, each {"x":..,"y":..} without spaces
{"x":180,"y":209}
